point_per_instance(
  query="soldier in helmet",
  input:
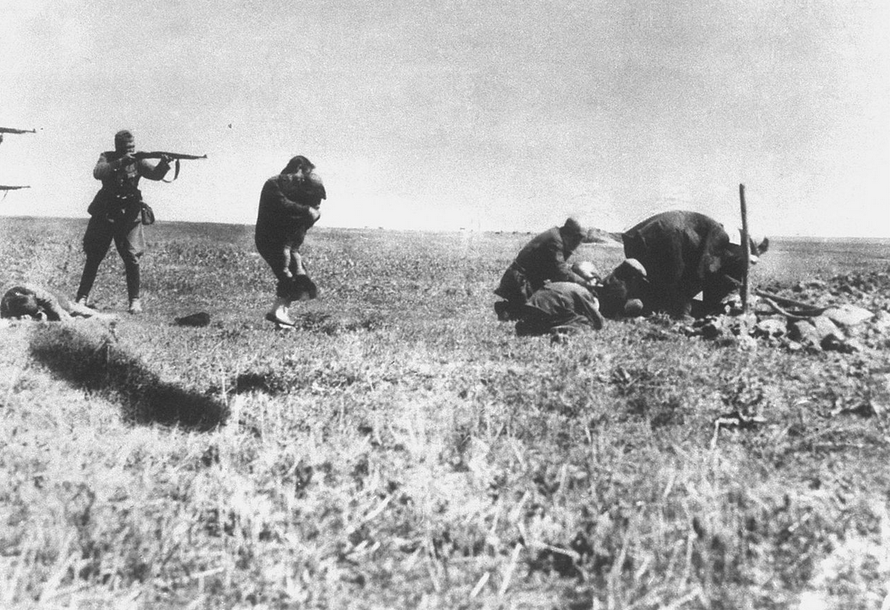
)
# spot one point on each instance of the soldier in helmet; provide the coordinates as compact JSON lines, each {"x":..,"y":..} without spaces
{"x":116,"y":215}
{"x":540,"y":260}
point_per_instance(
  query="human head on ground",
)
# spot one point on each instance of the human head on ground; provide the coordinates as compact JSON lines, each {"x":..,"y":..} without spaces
{"x":124,"y":141}
{"x":19,"y":303}
{"x":571,"y":233}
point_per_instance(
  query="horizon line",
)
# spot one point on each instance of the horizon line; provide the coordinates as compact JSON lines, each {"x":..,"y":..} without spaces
{"x":422,"y":230}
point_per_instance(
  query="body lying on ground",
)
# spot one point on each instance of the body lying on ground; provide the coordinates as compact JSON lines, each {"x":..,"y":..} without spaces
{"x":29,"y":301}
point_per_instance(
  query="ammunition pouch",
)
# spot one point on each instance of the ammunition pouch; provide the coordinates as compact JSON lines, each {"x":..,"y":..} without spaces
{"x":122,"y":207}
{"x":148,"y":215}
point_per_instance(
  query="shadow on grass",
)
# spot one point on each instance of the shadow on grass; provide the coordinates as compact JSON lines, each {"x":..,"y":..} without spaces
{"x":88,"y":357}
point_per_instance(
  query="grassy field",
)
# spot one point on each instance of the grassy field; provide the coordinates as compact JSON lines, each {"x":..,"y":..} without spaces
{"x":404,"y":449}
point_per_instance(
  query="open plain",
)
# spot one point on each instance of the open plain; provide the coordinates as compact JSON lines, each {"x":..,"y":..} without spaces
{"x":404,"y":449}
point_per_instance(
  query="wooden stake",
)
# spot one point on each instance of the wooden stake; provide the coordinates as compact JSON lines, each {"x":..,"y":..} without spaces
{"x":746,"y":249}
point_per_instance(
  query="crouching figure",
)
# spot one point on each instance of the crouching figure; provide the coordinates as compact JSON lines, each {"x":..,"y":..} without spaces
{"x":559,"y":307}
{"x":620,"y":293}
{"x":541,"y":260}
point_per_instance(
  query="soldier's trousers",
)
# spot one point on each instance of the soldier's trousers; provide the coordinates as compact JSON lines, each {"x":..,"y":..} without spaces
{"x":129,"y":240}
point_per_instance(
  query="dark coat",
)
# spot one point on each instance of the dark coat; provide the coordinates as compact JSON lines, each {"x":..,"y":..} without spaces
{"x":685,"y":253}
{"x":623,"y":284}
{"x":283,"y":216}
{"x":540,"y":260}
{"x":559,"y":304}
{"x":120,"y":200}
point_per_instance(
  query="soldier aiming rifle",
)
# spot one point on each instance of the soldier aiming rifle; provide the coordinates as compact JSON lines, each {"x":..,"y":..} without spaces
{"x":118,"y":212}
{"x":4,"y":130}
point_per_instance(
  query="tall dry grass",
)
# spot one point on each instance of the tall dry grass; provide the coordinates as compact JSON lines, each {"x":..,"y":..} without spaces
{"x":406,"y":450}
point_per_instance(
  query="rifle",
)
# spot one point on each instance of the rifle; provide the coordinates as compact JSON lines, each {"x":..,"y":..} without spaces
{"x":14,"y":130}
{"x":159,"y":154}
{"x":6,"y":189}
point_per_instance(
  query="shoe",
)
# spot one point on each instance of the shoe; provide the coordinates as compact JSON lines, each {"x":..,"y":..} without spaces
{"x":135,"y":307}
{"x":280,"y":319}
{"x":504,"y":311}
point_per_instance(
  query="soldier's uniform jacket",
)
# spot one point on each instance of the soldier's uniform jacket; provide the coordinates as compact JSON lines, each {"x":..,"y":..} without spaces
{"x":544,"y":258}
{"x":541,"y":259}
{"x":120,"y":199}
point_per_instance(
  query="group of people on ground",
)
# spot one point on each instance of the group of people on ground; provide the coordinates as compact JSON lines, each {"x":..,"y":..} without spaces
{"x":544,"y":294}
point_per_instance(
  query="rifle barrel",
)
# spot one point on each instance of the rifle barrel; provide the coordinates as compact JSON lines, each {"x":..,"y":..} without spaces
{"x":14,"y":130}
{"x":157,"y":154}
{"x":4,"y":187}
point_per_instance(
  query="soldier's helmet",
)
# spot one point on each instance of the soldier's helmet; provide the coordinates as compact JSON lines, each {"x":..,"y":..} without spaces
{"x":572,"y":227}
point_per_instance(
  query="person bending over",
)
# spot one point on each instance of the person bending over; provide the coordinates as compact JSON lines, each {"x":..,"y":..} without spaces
{"x":540,"y":260}
{"x":559,"y":307}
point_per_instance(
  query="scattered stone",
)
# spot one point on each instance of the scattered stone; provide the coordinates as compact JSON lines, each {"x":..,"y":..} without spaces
{"x":771,"y":327}
{"x":852,"y":346}
{"x":804,"y":332}
{"x":848,"y":315}
{"x":882,"y":322}
{"x":828,"y":330}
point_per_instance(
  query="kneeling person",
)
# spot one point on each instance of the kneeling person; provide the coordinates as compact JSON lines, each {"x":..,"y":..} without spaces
{"x":540,"y":260}
{"x":559,"y":305}
{"x":620,"y":292}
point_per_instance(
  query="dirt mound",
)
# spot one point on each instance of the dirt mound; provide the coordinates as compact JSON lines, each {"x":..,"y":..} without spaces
{"x":598,"y":236}
{"x":847,"y":313}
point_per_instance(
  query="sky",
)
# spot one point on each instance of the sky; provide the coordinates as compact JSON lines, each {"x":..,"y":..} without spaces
{"x":458,"y":114}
